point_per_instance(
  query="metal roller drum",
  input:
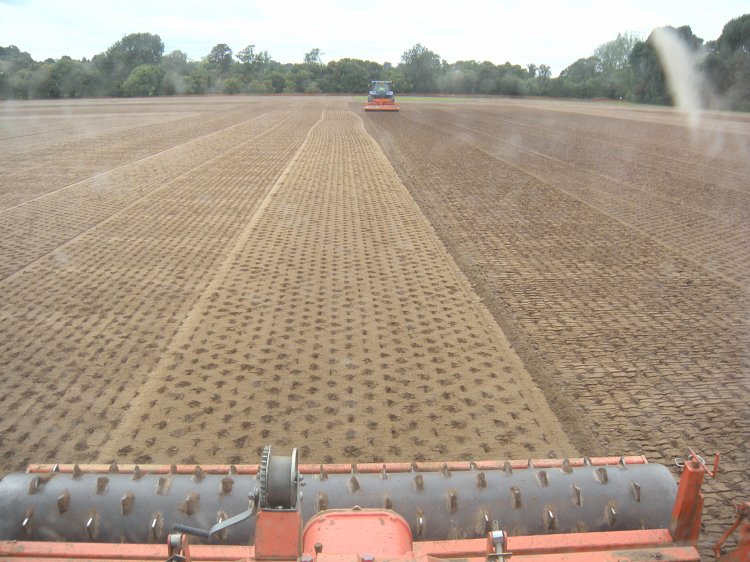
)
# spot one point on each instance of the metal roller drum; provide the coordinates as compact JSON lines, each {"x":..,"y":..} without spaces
{"x":438,"y":505}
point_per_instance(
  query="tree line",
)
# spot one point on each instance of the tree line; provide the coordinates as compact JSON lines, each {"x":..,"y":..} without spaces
{"x":626,"y":68}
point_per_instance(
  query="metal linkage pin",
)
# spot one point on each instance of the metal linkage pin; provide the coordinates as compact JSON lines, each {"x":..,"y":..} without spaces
{"x":500,"y":543}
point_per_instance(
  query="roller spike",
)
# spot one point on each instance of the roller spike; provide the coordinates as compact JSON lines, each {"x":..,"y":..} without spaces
{"x":126,"y":503}
{"x":101,"y":485}
{"x":90,"y":524}
{"x":113,"y":468}
{"x":473,"y":465}
{"x":77,"y":473}
{"x":221,"y":516}
{"x":198,"y":474}
{"x":384,"y":474}
{"x":601,"y":476}
{"x":567,"y":468}
{"x":353,"y":484}
{"x":162,"y":486}
{"x":173,"y":469}
{"x":137,"y":473}
{"x":636,"y":487}
{"x":322,"y":501}
{"x":156,"y":526}
{"x":191,"y":505}
{"x":355,"y":469}
{"x":587,"y":461}
{"x":63,"y":501}
{"x":529,"y":464}
{"x":481,"y":481}
{"x":542,"y":478}
{"x":515,"y":495}
{"x":452,"y":501}
{"x":420,"y":523}
{"x":56,"y":468}
{"x":550,"y":521}
{"x":227,"y":484}
{"x":26,"y":523}
{"x":621,"y":462}
{"x":323,"y":474}
{"x":232,"y":469}
{"x":388,"y":503}
{"x":507,"y":468}
{"x":445,"y":471}
{"x":34,"y":485}
{"x":487,"y":523}
{"x":610,"y":513}
{"x":419,"y":482}
{"x":577,"y":499}
{"x":414,"y":467}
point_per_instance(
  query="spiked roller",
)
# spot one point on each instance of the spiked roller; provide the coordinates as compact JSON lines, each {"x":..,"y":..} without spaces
{"x":466,"y":510}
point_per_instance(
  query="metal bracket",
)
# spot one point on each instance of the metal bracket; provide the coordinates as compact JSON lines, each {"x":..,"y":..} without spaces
{"x":178,"y":549}
{"x":499,"y":541}
{"x":220,"y":526}
{"x":699,"y":461}
{"x":742,"y":513}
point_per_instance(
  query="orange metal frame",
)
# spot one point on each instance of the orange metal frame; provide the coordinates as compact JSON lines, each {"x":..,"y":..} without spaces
{"x":381,"y":104}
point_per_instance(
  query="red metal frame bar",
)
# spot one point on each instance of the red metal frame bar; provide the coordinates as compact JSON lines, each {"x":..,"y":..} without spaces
{"x":620,"y":545}
{"x":742,"y":552}
{"x":685,"y":523}
{"x":364,"y":468}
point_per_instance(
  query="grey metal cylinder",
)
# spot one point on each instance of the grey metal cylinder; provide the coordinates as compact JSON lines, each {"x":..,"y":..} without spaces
{"x":437,"y":505}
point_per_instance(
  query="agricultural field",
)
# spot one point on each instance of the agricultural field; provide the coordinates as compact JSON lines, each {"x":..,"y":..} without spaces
{"x":189,"y":279}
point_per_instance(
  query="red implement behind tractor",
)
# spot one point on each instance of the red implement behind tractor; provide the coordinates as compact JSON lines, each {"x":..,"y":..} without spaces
{"x":381,"y":97}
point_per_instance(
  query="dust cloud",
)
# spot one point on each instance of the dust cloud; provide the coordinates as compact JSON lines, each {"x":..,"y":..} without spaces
{"x":684,"y":78}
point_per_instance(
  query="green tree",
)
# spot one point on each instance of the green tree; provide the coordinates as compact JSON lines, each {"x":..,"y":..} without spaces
{"x":729,"y":63}
{"x":421,"y":67}
{"x":15,"y":67}
{"x":313,"y":57}
{"x":231,"y":86}
{"x":351,"y":75}
{"x":736,"y":35}
{"x":220,"y":57}
{"x":133,"y":50}
{"x":145,"y":80}
{"x":648,"y":84}
{"x":278,"y":81}
{"x":246,"y":55}
{"x":614,"y":55}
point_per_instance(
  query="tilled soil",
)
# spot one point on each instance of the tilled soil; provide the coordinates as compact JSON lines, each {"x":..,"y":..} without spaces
{"x":253,"y":273}
{"x":611,"y":245}
{"x":187,"y":280}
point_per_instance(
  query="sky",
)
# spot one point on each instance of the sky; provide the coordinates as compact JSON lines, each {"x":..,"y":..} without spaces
{"x":539,"y":32}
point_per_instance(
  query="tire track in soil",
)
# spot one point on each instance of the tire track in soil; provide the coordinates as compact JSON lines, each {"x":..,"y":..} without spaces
{"x":339,"y":324}
{"x":80,"y":332}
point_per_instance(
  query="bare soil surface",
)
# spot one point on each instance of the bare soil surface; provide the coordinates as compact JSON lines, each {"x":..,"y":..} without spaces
{"x":611,"y":245}
{"x":189,"y":279}
{"x":246,"y":272}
